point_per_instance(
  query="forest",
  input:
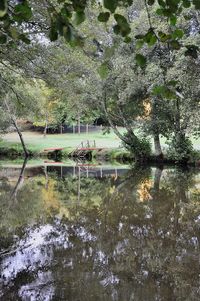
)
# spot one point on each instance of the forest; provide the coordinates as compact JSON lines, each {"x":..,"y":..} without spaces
{"x":131,"y":64}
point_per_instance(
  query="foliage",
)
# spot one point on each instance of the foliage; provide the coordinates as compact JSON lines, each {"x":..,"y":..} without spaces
{"x":65,"y":16}
{"x":140,"y":147}
{"x":154,"y":213}
{"x":180,"y":150}
{"x":102,"y":78}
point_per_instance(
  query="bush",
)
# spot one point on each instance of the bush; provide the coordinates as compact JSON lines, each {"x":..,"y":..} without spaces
{"x":140,"y":148}
{"x":180,"y":150}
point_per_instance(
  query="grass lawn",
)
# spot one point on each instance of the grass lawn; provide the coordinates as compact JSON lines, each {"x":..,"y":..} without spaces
{"x":36,"y":142}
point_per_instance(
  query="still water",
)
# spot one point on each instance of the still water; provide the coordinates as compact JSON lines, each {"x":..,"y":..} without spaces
{"x":87,"y":232}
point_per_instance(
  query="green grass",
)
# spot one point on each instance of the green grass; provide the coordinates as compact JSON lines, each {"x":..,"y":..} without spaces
{"x":37,"y":143}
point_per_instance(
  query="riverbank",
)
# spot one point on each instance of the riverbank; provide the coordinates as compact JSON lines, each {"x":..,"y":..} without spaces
{"x":14,"y":151}
{"x":61,"y":147}
{"x":40,"y":146}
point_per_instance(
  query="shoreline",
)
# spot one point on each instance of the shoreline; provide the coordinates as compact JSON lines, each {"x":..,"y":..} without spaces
{"x":110,"y":154}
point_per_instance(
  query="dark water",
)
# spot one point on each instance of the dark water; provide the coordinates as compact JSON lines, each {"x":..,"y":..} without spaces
{"x":82,"y":235}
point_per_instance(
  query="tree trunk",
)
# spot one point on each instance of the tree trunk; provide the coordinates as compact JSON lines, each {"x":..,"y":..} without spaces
{"x":132,"y":141}
{"x":116,"y":131}
{"x":156,"y":130}
{"x":79,"y":125}
{"x":157,"y":177}
{"x":46,"y":125}
{"x":14,"y":122}
{"x":138,"y":156}
{"x":20,"y":179}
{"x":21,"y":138}
{"x":157,"y":146}
{"x":181,"y":146}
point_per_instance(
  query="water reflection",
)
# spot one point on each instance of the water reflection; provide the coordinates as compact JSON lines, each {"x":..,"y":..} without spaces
{"x":86,"y":236}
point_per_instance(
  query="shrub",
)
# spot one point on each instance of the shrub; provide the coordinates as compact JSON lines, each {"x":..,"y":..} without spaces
{"x":140,"y":148}
{"x":180,"y":150}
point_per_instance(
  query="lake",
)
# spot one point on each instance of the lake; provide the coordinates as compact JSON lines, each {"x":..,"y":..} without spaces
{"x":86,"y":231}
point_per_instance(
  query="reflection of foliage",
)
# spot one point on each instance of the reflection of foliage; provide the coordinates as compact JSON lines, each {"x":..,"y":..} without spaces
{"x":111,"y":243}
{"x":144,"y":190}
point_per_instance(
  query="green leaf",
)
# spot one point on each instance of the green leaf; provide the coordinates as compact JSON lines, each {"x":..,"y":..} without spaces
{"x":78,"y":5}
{"x":3,"y":8}
{"x":139,"y":44}
{"x":22,"y":12}
{"x":120,"y":19}
{"x":153,"y":40}
{"x":150,"y":37}
{"x":116,"y":29}
{"x":79,"y":17}
{"x":111,"y":5}
{"x":161,"y":3}
{"x":196,"y":4}
{"x":103,"y":17}
{"x":130,"y":2}
{"x":175,"y":45}
{"x":127,"y":40}
{"x":186,"y":3}
{"x":53,"y":34}
{"x":173,"y":20}
{"x":167,"y":12}
{"x":139,"y":36}
{"x":158,"y":90}
{"x":141,"y":60}
{"x":159,"y":11}
{"x":151,"y":2}
{"x":164,"y":37}
{"x":3,"y":39}
{"x":178,"y":34}
{"x":65,"y":12}
{"x":172,"y":83}
{"x":103,"y":70}
{"x":164,"y":91}
{"x":123,"y":26}
{"x":14,"y":33}
{"x":169,"y":94}
{"x":24,"y":39}
{"x":192,"y":50}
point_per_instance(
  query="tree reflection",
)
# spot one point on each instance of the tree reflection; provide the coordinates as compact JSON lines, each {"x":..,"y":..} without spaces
{"x":20,"y":179}
{"x":136,"y":238}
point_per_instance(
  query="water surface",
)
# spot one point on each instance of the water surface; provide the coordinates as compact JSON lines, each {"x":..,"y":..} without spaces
{"x":92,"y":232}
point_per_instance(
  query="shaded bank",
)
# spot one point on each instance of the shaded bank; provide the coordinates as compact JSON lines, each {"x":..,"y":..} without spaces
{"x":13,"y":151}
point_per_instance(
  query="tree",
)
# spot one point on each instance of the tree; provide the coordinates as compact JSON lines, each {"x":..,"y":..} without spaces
{"x":16,"y":100}
{"x":91,"y":81}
